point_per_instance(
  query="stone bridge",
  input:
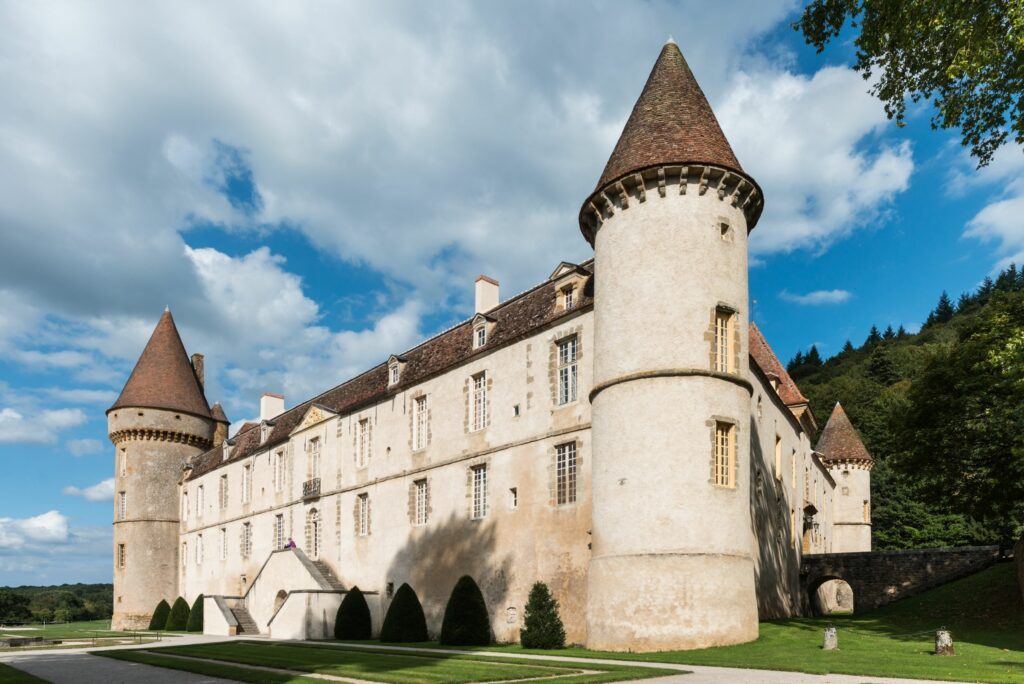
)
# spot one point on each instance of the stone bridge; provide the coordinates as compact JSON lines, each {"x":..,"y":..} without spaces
{"x":881,"y":577}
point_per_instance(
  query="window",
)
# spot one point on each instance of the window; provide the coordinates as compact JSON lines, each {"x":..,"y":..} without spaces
{"x":246,"y":540}
{"x":223,"y":543}
{"x":313,"y":447}
{"x":393,"y":374}
{"x":725,"y":231}
{"x":278,"y":471}
{"x":778,"y":457}
{"x":124,"y":462}
{"x":867,"y":511}
{"x":792,"y":460}
{"x":565,"y":473}
{"x":313,"y":533}
{"x":363,"y":512}
{"x":264,"y":433}
{"x":279,"y":530}
{"x":723,"y":340}
{"x":120,"y":555}
{"x":247,"y":483}
{"x":760,"y":409}
{"x":568,"y":298}
{"x":513,"y":498}
{"x":724,"y":455}
{"x":184,"y":505}
{"x":200,"y":497}
{"x":479,"y":401}
{"x":184,"y":554}
{"x":421,"y":502}
{"x":223,"y":492}
{"x":419,"y":423}
{"x":567,"y":370}
{"x":122,"y":506}
{"x":479,"y":336}
{"x":363,"y":446}
{"x":199,"y":549}
{"x":479,"y":492}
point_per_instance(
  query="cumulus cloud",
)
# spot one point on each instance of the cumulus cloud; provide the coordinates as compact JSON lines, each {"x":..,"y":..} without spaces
{"x":49,"y":527}
{"x":810,"y":142}
{"x":48,"y":549}
{"x":998,"y":222}
{"x":101,"y":491}
{"x":84,"y":447}
{"x":817,"y":297}
{"x":41,"y":427}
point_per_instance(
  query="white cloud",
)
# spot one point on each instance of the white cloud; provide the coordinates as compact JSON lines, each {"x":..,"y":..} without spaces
{"x":999,"y":221}
{"x":41,"y":427}
{"x":49,"y":527}
{"x":101,"y":491}
{"x":84,"y":447}
{"x":809,"y":142}
{"x":817,"y":297}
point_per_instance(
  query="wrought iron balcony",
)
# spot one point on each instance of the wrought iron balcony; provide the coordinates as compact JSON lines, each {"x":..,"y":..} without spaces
{"x":311,"y":488}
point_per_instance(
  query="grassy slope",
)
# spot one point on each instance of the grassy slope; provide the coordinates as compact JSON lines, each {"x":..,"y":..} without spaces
{"x":10,"y":675}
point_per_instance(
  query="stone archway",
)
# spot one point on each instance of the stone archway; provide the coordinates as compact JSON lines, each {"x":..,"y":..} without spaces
{"x":834,"y":596}
{"x":279,"y":600}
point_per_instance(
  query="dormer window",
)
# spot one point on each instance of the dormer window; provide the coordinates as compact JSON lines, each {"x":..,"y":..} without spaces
{"x":226,"y":451}
{"x":393,"y":374}
{"x":569,"y":280}
{"x":568,"y":297}
{"x":395,"y":364}
{"x":480,"y":336}
{"x":264,"y":433}
{"x":482,"y":326}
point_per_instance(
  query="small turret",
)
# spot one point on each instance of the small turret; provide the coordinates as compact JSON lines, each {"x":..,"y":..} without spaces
{"x":850,"y":464}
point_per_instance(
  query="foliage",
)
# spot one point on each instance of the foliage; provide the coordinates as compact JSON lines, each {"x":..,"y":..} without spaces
{"x":405,"y":621}
{"x":465,"y":617}
{"x":65,"y":602}
{"x":195,"y":616}
{"x":160,"y":614}
{"x":353,"y":620}
{"x":13,"y":607}
{"x":542,"y":627}
{"x":177,"y":619}
{"x":966,"y":57}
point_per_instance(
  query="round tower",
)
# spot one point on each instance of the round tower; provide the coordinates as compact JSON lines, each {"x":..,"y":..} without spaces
{"x":850,"y":464}
{"x":158,"y":423}
{"x":671,"y":564}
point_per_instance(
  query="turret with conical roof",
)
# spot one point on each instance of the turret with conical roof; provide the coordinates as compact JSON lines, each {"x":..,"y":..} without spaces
{"x":159,"y":422}
{"x":848,"y":460}
{"x":671,"y":399}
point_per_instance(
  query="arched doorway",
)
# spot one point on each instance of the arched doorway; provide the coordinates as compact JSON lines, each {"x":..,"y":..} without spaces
{"x":313,"y":533}
{"x":832,"y":596}
{"x":279,"y":600}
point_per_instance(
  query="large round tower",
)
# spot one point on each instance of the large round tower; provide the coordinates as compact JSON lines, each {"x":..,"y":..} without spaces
{"x":671,"y":564}
{"x":850,"y":464}
{"x":160,"y":421}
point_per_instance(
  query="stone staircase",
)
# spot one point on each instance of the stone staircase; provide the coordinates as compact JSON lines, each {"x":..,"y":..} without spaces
{"x":328,"y":575}
{"x":246,"y":625}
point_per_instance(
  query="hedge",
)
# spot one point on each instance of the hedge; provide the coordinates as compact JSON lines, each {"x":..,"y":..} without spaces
{"x":177,"y":620}
{"x":542,"y":626}
{"x":160,"y":613}
{"x":465,"y":617}
{"x":353,"y":620}
{"x":405,"y":621}
{"x":195,"y":616}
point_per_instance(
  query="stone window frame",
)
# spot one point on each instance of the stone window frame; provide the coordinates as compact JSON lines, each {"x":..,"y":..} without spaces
{"x":362,"y":442}
{"x":554,"y":365}
{"x":314,"y":534}
{"x":245,"y":540}
{"x":314,"y":451}
{"x":415,"y":430}
{"x":247,"y":483}
{"x":734,"y":340}
{"x":122,"y":556}
{"x":123,"y":468}
{"x":279,"y":535}
{"x":415,"y":487}
{"x":200,"y":500}
{"x":222,"y":537}
{"x":184,"y":554}
{"x":571,"y":497}
{"x":199,"y":549}
{"x":362,"y":515}
{"x":778,"y":457}
{"x":223,"y":496}
{"x":122,"y":505}
{"x":714,"y":424}
{"x":395,"y":366}
{"x":478,"y":406}
{"x":572,"y":281}
{"x":478,"y":506}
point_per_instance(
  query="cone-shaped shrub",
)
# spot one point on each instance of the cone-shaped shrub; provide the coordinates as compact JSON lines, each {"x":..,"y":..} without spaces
{"x":353,"y":621}
{"x":195,"y":616}
{"x":177,"y":620}
{"x":405,"y":620}
{"x":465,"y":617}
{"x":542,"y":627}
{"x":160,"y":613}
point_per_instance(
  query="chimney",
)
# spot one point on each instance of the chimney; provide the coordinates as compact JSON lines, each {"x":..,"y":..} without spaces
{"x":199,"y":370}
{"x":271,"y":405}
{"x":486,"y":294}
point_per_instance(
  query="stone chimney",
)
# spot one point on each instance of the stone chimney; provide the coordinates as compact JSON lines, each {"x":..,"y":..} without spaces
{"x":199,"y":369}
{"x":271,"y":405}
{"x":486,"y":294}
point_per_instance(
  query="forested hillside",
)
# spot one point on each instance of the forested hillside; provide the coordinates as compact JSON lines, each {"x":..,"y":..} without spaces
{"x":62,"y":603}
{"x":942,"y":412}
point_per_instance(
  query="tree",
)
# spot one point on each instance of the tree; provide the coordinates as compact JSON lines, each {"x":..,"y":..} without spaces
{"x":160,"y":613}
{"x":405,"y":621}
{"x":796,"y":362}
{"x":944,"y":309}
{"x":848,"y":347}
{"x":542,"y":627}
{"x":353,"y":620}
{"x":901,"y":333}
{"x":465,"y":617}
{"x":195,"y":616}
{"x":873,"y":337}
{"x":889,"y":333}
{"x":13,"y":607}
{"x":813,"y":358}
{"x":966,"y":57}
{"x":881,"y":368}
{"x":177,"y":619}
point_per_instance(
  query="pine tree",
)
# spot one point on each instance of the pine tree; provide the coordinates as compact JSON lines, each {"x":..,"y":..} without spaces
{"x":873,"y":337}
{"x":405,"y":621}
{"x":881,"y":368}
{"x":177,"y":619}
{"x":848,"y":347}
{"x":353,"y":620}
{"x":795,"y":363}
{"x":465,"y":617}
{"x":195,"y":616}
{"x":901,"y":333}
{"x":813,"y":358}
{"x":542,"y":627}
{"x":889,"y":333}
{"x":944,"y":309}
{"x":160,"y":613}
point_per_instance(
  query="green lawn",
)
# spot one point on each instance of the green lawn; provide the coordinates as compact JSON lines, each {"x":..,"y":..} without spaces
{"x":983,"y":612}
{"x":10,"y":675}
{"x":68,"y":630}
{"x":379,"y":666}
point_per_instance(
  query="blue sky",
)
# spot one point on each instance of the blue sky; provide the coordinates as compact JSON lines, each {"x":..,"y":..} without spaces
{"x":312,"y":188}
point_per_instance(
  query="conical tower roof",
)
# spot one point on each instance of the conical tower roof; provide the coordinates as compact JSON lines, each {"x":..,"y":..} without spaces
{"x":163,"y":377}
{"x":839,"y":441}
{"x":672,"y":122}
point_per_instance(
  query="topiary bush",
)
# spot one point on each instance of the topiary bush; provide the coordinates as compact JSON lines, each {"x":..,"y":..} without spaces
{"x":177,"y":620}
{"x":160,"y":613}
{"x":353,"y":621}
{"x":405,"y":620}
{"x":465,"y":617}
{"x":195,"y":616}
{"x":542,"y":626}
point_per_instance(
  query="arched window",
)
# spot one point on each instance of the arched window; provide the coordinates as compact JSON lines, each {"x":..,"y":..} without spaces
{"x":313,"y":533}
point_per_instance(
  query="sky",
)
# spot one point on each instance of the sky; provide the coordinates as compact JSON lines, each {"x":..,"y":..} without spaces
{"x":311,"y":187}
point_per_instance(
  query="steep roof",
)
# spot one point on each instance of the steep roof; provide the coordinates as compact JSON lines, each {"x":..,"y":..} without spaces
{"x":217,"y":413}
{"x":839,"y":440}
{"x":671,"y":122}
{"x":769,"y":363}
{"x":163,"y":377}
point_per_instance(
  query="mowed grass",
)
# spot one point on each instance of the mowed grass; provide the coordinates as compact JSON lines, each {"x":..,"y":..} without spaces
{"x":379,"y":666}
{"x":10,"y":675}
{"x":68,"y":630}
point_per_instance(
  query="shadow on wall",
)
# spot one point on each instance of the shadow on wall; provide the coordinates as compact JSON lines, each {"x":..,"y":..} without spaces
{"x":775,"y":563}
{"x":436,"y":556}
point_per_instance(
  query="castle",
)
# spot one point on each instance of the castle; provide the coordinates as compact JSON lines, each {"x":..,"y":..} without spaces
{"x":619,"y":431}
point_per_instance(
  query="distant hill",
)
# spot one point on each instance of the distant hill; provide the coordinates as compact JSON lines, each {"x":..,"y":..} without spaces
{"x":942,"y":411}
{"x":63,"y":603}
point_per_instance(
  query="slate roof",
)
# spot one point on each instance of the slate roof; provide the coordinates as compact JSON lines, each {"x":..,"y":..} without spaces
{"x":217,"y":413}
{"x":839,"y":440}
{"x":769,"y":363}
{"x":163,"y":377}
{"x":671,"y":122}
{"x":513,"y":319}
